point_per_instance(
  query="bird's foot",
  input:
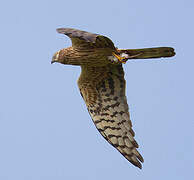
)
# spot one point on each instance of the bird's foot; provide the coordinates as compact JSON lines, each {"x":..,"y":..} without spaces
{"x":120,"y":59}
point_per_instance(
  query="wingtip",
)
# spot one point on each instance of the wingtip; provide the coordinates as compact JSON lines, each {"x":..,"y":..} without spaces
{"x":136,"y":160}
{"x":59,"y":30}
{"x":137,"y":164}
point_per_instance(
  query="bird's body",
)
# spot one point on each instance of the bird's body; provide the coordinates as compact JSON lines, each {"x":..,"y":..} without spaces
{"x":102,"y":85}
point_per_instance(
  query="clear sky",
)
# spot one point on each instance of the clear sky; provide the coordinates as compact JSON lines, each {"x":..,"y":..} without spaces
{"x":45,"y":130}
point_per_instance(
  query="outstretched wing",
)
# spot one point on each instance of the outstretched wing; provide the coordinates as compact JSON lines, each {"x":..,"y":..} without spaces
{"x":106,"y":102}
{"x":85,"y":40}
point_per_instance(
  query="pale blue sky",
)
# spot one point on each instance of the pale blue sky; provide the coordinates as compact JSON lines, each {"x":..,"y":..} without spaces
{"x":45,"y":130}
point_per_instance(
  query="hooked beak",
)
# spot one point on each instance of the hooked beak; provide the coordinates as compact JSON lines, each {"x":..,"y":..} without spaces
{"x":53,"y":61}
{"x":55,"y":58}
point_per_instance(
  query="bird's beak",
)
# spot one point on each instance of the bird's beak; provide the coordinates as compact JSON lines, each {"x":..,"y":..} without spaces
{"x":55,"y":58}
{"x":53,"y":61}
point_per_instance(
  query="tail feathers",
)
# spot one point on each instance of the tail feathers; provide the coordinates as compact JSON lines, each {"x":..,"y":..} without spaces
{"x":146,"y":53}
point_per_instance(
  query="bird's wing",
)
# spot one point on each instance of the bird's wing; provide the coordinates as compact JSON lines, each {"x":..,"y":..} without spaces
{"x":107,"y":105}
{"x":85,"y":40}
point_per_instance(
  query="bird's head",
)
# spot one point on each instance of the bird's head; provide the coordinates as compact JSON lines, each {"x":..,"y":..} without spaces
{"x":57,"y":57}
{"x":66,"y":56}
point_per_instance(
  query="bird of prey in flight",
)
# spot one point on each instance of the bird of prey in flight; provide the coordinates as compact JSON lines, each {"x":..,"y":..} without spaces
{"x":102,"y":84}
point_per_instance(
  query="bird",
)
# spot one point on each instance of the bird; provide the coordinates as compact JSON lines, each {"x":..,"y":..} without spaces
{"x":102,"y":84}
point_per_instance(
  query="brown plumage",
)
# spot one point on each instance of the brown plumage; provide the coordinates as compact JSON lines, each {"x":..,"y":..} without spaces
{"x":102,"y":85}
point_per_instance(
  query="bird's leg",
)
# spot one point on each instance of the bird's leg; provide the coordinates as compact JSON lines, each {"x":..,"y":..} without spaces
{"x":120,"y":59}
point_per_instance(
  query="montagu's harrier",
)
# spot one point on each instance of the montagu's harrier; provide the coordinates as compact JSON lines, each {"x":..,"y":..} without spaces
{"x":102,"y":84}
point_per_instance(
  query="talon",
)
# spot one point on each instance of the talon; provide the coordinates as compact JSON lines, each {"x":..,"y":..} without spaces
{"x":120,"y":59}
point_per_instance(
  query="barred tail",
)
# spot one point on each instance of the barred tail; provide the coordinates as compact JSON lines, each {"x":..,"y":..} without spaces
{"x":146,"y":53}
